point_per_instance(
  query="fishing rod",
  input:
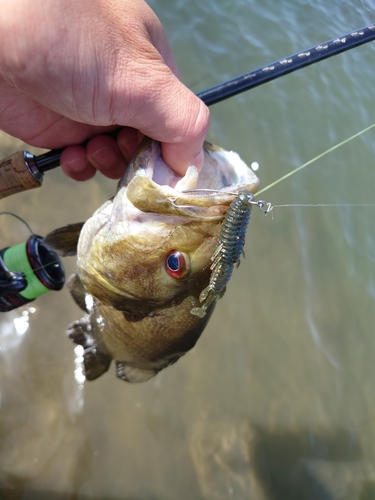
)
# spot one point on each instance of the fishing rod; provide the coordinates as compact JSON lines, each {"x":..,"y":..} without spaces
{"x":22,"y":170}
{"x":31,"y":269}
{"x":287,"y":65}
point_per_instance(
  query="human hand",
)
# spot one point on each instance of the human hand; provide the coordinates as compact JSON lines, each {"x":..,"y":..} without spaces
{"x":73,"y":70}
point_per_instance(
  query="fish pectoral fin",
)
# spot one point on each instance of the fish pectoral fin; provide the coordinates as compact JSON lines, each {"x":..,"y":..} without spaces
{"x":64,"y":240}
{"x":78,"y":291}
{"x":96,"y":362}
{"x":132,"y":374}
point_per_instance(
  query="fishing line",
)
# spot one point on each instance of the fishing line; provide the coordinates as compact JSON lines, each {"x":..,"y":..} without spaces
{"x":267,"y":207}
{"x":43,"y":266}
{"x":325,"y":205}
{"x":289,"y":174}
{"x":19,"y":218}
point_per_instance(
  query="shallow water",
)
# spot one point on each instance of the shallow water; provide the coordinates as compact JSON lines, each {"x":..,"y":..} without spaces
{"x":277,"y":399}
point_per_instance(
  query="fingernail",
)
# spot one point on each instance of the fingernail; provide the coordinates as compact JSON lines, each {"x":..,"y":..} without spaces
{"x":198,"y":162}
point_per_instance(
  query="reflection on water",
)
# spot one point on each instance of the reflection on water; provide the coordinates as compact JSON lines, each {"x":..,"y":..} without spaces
{"x":277,"y":399}
{"x":13,"y":330}
{"x":42,"y":438}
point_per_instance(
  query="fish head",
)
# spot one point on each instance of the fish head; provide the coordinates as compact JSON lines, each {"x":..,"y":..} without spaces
{"x":151,"y":246}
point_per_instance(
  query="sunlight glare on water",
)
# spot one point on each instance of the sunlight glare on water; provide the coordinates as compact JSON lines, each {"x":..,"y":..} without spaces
{"x":276,"y":401}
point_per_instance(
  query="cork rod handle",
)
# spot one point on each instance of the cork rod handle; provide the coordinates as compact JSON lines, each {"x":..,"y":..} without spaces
{"x":18,"y":173}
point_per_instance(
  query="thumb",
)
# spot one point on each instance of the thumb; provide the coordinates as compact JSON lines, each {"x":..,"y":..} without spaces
{"x":164,"y":109}
{"x":192,"y":120}
{"x":186,"y":126}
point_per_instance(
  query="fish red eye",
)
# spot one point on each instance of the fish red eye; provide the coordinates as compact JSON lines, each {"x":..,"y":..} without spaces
{"x":177,"y":264}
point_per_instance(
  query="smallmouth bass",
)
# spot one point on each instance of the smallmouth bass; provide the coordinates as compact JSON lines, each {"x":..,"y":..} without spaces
{"x":144,"y":258}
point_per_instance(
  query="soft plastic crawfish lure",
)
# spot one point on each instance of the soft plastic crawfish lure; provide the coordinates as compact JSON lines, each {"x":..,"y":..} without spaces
{"x":229,"y":249}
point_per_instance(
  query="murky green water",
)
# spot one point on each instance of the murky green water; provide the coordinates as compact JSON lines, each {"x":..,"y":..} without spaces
{"x":277,"y":400}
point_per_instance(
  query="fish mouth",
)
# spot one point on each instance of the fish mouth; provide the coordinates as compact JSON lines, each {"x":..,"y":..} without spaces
{"x":152,"y":186}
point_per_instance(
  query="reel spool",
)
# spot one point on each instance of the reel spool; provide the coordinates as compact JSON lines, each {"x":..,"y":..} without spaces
{"x":28,"y":270}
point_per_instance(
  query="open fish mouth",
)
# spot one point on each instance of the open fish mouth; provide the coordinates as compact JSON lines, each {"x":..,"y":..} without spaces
{"x":152,"y":186}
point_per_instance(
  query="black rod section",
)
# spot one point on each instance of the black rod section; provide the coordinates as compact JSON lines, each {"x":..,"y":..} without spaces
{"x":287,"y":65}
{"x":49,"y":160}
{"x":265,"y":74}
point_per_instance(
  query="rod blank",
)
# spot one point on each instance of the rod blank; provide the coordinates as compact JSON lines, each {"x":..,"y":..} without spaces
{"x":287,"y":65}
